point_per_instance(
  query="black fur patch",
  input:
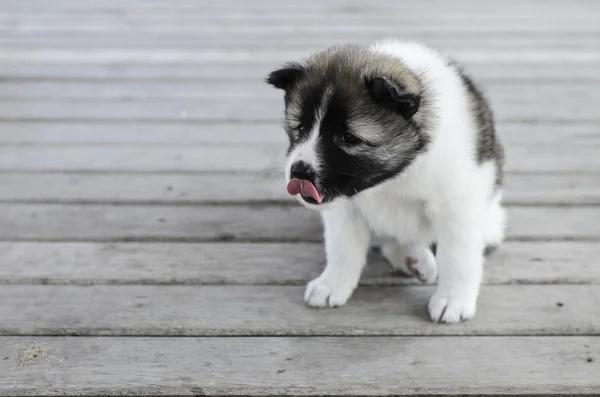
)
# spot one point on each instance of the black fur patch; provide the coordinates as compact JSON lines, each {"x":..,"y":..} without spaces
{"x":489,"y":146}
{"x":285,"y":77}
{"x":389,"y":94}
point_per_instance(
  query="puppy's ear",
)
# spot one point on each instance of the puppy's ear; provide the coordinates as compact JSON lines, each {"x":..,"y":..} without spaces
{"x":285,"y":77}
{"x":389,"y":94}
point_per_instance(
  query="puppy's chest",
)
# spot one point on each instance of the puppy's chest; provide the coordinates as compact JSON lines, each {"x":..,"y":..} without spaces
{"x":391,"y":216}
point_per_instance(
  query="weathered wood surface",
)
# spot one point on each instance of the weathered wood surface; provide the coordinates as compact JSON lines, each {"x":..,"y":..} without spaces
{"x":279,"y":310}
{"x":526,"y":108}
{"x":310,"y":41}
{"x":140,"y":161}
{"x":251,"y":223}
{"x":267,"y":158}
{"x":505,"y":93}
{"x":265,"y":264}
{"x":559,"y":72}
{"x":303,"y":366}
{"x":262,"y":23}
{"x":176,"y":188}
{"x":183,"y":134}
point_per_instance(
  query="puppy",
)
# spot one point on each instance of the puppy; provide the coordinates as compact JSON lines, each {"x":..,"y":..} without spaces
{"x":397,"y":140}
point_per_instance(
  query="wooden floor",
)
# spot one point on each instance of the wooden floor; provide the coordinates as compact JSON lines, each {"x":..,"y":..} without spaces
{"x":148,"y":247}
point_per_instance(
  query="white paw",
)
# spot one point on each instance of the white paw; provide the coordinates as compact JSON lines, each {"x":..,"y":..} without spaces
{"x":451,"y":307}
{"x":328,"y":291}
{"x":415,"y":261}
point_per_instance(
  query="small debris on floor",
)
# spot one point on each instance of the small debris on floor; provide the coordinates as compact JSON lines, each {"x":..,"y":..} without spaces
{"x":560,"y":304}
{"x":35,"y":354}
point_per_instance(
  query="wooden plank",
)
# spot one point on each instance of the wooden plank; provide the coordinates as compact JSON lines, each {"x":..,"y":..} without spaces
{"x":558,"y":71}
{"x":314,"y":9}
{"x":294,"y":366}
{"x":251,"y":56}
{"x":258,"y":22}
{"x":448,"y":42}
{"x":134,"y":310}
{"x":254,"y":223}
{"x":501,"y":93}
{"x":267,"y":159}
{"x":139,"y":188}
{"x":229,"y":109}
{"x":257,"y":27}
{"x":352,"y":6}
{"x":40,"y":133}
{"x":340,"y":10}
{"x":265,"y":264}
{"x":171,"y":188}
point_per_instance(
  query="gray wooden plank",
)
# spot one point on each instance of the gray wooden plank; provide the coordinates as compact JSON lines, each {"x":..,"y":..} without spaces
{"x":56,"y":222}
{"x":265,"y":264}
{"x":501,"y":93}
{"x":473,"y":9}
{"x":262,"y":158}
{"x":267,"y":158}
{"x":134,"y":310}
{"x":258,"y":23}
{"x":553,"y":107}
{"x":302,"y":366}
{"x":338,"y":4}
{"x":40,"y":133}
{"x":448,"y":42}
{"x":556,"y":71}
{"x":264,"y":56}
{"x":73,"y":187}
{"x":172,"y":188}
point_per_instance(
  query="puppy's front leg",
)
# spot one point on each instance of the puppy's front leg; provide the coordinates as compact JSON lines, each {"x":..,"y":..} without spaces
{"x":347,"y":240}
{"x":460,"y":263}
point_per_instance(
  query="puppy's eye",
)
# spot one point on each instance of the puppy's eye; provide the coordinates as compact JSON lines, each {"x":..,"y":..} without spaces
{"x":299,"y":128}
{"x":350,"y":139}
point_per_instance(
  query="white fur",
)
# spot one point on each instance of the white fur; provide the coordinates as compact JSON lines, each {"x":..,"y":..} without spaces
{"x":444,"y":196}
{"x":401,"y":257}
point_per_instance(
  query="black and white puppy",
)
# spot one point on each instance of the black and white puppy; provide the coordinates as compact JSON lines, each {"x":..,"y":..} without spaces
{"x":395,"y":139}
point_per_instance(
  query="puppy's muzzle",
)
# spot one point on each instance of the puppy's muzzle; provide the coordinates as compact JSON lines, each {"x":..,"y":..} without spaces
{"x":302,"y":181}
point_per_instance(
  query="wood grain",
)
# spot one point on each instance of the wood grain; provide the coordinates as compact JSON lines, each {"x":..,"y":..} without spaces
{"x":307,"y":41}
{"x":526,"y":108}
{"x":266,"y":159}
{"x":249,"y":223}
{"x":184,"y":134}
{"x":178,"y":188}
{"x":504,"y":94}
{"x":133,"y":310}
{"x":265,"y":264}
{"x":137,"y":144}
{"x":303,"y":366}
{"x":565,"y":72}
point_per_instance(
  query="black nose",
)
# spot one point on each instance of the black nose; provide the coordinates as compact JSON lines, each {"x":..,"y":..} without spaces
{"x":302,"y":170}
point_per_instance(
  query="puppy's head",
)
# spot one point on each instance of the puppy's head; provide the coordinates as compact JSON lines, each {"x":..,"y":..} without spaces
{"x":354,"y":119}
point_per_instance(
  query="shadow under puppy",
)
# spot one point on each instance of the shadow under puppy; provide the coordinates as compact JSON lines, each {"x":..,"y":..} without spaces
{"x":395,"y":139}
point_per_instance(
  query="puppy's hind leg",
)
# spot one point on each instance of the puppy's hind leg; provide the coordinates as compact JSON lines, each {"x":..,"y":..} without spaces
{"x":493,"y":229}
{"x":415,"y":260}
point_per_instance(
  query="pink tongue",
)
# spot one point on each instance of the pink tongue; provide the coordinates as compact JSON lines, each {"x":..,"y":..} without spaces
{"x":301,"y":186}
